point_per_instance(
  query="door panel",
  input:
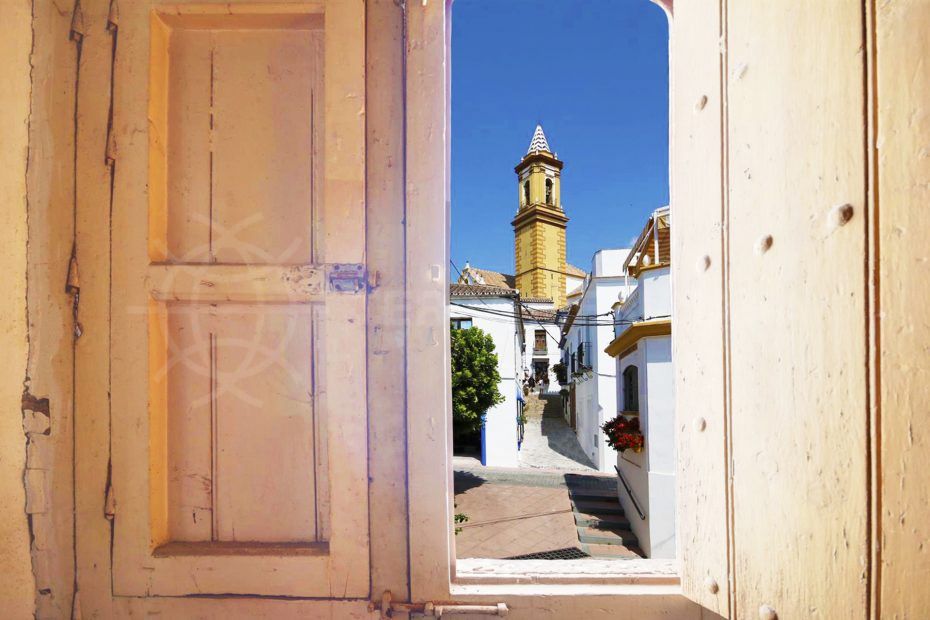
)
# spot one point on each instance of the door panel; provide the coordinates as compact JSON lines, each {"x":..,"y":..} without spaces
{"x":797,"y":307}
{"x":762,"y":420}
{"x":231,"y":458}
{"x":238,"y":395}
{"x":265,"y":416}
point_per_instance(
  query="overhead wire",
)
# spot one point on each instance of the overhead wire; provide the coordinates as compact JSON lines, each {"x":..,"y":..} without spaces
{"x":580,"y":320}
{"x":522,"y":303}
{"x":511,"y":315}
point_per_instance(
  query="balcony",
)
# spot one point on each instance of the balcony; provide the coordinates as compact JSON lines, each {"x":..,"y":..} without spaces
{"x":647,"y":307}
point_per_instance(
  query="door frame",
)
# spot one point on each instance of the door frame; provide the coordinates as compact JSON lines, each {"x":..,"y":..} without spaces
{"x":646,"y":588}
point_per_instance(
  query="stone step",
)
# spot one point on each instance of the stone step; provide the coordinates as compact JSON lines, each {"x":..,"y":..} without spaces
{"x":593,"y":493}
{"x":613,"y":536}
{"x":612,"y":551}
{"x":598,"y":507}
{"x":589,"y":520}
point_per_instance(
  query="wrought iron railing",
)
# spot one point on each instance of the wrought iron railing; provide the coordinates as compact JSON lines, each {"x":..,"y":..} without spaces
{"x":629,"y":491}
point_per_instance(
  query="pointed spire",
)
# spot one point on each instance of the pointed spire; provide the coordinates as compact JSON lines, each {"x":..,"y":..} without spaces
{"x":539,"y":142}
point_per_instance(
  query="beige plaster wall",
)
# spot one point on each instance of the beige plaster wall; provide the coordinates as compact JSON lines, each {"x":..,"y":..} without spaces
{"x":17,"y":587}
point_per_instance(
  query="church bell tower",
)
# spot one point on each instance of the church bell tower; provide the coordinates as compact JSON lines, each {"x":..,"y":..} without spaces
{"x":539,"y":226}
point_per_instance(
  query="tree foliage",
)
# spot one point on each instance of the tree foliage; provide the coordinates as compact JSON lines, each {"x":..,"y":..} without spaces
{"x":474,"y":379}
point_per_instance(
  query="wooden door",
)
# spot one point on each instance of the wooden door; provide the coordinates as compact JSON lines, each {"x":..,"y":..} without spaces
{"x":238,"y":382}
{"x":770,"y":200}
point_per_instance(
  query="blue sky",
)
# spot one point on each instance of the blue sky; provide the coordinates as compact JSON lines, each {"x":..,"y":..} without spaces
{"x":595,"y":74}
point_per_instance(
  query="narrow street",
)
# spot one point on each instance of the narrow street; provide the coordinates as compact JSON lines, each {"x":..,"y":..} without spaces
{"x":555,"y":506}
{"x":539,"y":514}
{"x":548,"y":442}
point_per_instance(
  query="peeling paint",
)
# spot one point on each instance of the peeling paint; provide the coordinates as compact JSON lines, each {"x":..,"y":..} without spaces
{"x":36,"y":414}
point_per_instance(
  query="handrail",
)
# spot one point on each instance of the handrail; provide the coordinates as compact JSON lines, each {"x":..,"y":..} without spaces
{"x":629,"y":492}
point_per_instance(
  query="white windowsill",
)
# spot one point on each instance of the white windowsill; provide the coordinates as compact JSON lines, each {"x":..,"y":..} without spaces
{"x":475,"y":571}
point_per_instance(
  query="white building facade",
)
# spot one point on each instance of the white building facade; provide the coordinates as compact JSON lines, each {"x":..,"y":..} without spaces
{"x":541,"y":343}
{"x":645,"y":390}
{"x":493,"y":311}
{"x":526,"y":342}
{"x":591,"y":371}
{"x":541,"y":331}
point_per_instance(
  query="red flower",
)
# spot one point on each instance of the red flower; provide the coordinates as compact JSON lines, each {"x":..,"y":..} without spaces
{"x":623,"y":433}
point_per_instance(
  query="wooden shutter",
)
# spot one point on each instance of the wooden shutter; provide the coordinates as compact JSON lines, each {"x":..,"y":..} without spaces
{"x":697,"y":269}
{"x":901,"y":437}
{"x":238,"y":312}
{"x":770,"y":307}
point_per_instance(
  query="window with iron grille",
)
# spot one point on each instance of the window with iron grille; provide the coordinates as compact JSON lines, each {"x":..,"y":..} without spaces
{"x":631,"y":389}
{"x":584,"y":355}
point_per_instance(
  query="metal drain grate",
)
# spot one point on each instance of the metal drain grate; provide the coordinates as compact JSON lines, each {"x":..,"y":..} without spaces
{"x":569,"y":553}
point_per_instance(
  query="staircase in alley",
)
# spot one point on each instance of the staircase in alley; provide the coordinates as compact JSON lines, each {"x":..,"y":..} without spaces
{"x":603,"y":528}
{"x":535,"y":404}
{"x":548,"y":442}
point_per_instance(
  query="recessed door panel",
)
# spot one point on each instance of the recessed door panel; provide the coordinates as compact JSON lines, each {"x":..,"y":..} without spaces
{"x":264,"y":414}
{"x":240,"y":393}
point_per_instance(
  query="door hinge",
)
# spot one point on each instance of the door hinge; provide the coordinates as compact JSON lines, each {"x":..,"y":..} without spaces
{"x":346,"y":277}
{"x":387,"y":606}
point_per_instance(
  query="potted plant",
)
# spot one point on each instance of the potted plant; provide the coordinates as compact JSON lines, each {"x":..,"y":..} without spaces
{"x":560,"y":372}
{"x":623,"y":434}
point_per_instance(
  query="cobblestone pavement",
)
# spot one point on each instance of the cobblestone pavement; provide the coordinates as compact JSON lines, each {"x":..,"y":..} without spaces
{"x":548,"y":442}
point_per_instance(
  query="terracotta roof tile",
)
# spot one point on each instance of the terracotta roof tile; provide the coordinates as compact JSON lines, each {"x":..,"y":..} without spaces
{"x":492,"y":278}
{"x":575,"y":271}
{"x":541,"y":315}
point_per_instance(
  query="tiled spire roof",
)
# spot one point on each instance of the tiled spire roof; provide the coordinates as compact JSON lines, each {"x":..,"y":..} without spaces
{"x":539,"y":142}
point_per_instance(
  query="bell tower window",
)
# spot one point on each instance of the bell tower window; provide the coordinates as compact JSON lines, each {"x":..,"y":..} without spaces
{"x":549,"y":192}
{"x":526,"y":192}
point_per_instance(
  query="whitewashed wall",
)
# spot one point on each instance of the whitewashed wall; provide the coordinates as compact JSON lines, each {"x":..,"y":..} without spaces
{"x":651,"y":474}
{"x":572,"y":282}
{"x":657,"y":293}
{"x":596,"y":395}
{"x":633,"y":466}
{"x":553,"y":353}
{"x":500,"y":433}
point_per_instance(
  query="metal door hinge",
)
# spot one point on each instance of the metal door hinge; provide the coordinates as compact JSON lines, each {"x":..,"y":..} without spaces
{"x":387,"y":606}
{"x":346,"y":277}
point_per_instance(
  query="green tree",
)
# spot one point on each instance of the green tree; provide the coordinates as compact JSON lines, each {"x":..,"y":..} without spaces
{"x":474,"y":379}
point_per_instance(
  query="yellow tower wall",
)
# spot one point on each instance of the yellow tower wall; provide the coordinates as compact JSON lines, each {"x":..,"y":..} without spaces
{"x":539,"y":229}
{"x":540,"y":261}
